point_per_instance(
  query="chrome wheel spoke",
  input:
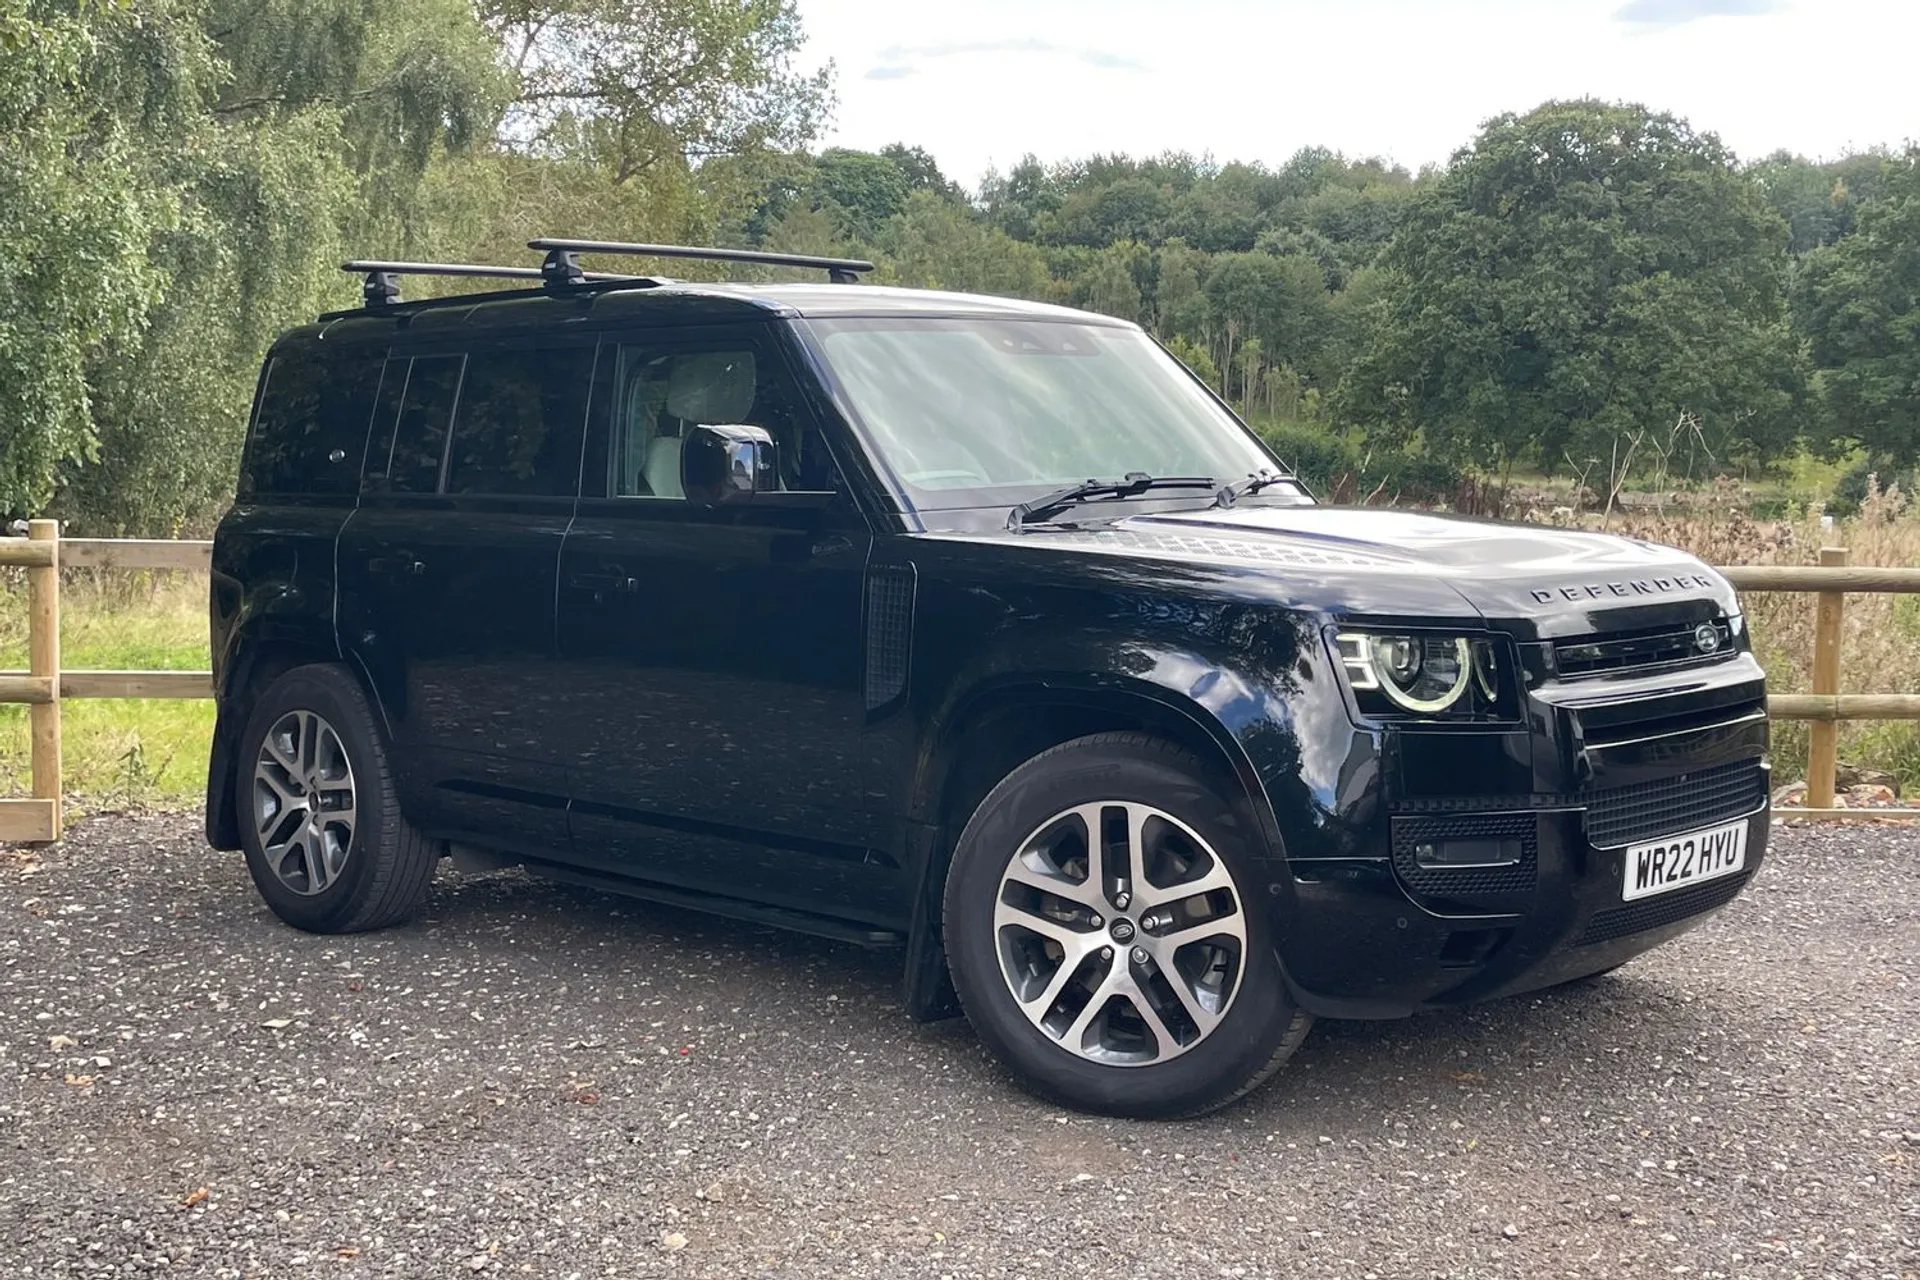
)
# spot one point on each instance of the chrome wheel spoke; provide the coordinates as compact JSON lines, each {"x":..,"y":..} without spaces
{"x":1073,"y":940}
{"x":1165,"y":1043}
{"x":1075,"y":1036}
{"x":1215,"y":877}
{"x":1204,"y":1018}
{"x":1081,"y":892}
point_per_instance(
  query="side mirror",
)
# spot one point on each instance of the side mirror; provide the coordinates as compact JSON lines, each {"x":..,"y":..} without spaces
{"x":728,"y":463}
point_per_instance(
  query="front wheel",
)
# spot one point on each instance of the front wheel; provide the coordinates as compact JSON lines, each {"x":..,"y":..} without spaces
{"x":1102,"y":936}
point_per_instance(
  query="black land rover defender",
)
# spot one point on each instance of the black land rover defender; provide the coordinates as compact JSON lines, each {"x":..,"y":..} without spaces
{"x":963,"y":626}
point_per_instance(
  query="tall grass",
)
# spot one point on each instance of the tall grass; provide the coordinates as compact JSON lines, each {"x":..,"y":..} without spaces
{"x":1880,"y":648}
{"x":119,"y":753}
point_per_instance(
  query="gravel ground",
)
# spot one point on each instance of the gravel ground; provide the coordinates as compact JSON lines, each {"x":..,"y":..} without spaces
{"x":539,"y":1080}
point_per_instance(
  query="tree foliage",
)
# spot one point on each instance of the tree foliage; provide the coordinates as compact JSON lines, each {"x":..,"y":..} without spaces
{"x":1576,"y":275}
{"x":1858,"y":300}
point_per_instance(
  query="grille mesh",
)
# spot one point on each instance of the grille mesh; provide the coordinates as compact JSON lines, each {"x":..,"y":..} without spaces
{"x":1639,"y":650}
{"x":1467,"y":883}
{"x":1626,"y":815}
{"x":1655,"y":913}
{"x":889,"y":634}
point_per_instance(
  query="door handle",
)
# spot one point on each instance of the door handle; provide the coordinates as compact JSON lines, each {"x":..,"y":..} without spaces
{"x":603,"y":582}
{"x":402,"y":563}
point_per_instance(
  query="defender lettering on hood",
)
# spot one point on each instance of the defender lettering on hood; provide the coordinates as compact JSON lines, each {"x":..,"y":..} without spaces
{"x":1636,"y":587}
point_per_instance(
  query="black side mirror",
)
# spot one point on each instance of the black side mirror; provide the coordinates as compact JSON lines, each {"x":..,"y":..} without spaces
{"x":728,"y":463}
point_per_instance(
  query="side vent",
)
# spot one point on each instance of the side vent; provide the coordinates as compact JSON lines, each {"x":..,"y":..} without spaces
{"x":889,"y":633}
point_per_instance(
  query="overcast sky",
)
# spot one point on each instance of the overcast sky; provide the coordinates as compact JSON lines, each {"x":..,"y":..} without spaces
{"x":981,"y":82}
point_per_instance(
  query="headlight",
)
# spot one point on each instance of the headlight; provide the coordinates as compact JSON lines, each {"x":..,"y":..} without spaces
{"x":1422,"y":674}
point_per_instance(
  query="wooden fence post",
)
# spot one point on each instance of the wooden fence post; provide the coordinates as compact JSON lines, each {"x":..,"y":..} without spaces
{"x":43,"y":662}
{"x":1824,"y":737}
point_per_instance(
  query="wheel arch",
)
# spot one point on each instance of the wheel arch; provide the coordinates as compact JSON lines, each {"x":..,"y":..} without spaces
{"x":1001,"y":725}
{"x":260,"y":653}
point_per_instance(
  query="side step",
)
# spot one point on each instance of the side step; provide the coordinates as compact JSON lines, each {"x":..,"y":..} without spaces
{"x":715,"y":904}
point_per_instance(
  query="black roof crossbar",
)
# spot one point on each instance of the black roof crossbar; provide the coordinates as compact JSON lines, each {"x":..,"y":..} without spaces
{"x":839,"y":270}
{"x":382,"y":285}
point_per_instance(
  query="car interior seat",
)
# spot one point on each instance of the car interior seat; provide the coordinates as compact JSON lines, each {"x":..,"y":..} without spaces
{"x":710,"y":388}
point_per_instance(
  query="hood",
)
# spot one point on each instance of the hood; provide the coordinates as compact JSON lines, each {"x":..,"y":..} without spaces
{"x":1536,"y":581}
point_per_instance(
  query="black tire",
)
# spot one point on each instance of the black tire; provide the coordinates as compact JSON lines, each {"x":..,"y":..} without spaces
{"x":1261,"y":1027}
{"x":388,"y":864}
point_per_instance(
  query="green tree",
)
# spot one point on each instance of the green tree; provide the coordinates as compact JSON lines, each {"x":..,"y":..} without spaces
{"x":1858,"y":301}
{"x":76,"y":217}
{"x":1578,"y":274}
{"x":935,"y":245}
{"x":1111,"y":284}
{"x":645,"y":85}
{"x":862,"y":190}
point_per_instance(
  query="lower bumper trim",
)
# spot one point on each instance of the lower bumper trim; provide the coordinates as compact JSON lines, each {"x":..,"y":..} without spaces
{"x":1639,"y":917}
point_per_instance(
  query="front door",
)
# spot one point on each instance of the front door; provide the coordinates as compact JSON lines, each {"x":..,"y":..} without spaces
{"x":713,"y":653}
{"x":448,"y":574}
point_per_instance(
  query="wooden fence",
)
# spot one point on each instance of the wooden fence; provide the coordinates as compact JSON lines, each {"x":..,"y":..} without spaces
{"x":44,"y":685}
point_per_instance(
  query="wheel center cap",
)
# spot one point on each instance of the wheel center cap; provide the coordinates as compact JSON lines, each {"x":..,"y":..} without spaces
{"x":1122,"y":930}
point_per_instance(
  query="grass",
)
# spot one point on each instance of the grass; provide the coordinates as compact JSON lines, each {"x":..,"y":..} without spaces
{"x":119,"y":753}
{"x":153,"y":752}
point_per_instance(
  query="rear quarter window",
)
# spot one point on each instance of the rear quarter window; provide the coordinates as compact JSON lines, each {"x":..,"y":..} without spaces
{"x":310,"y":424}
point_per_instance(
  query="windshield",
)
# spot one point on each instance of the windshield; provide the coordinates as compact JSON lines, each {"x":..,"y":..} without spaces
{"x":968,"y":411}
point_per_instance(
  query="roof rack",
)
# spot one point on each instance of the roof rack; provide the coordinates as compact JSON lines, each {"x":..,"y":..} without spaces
{"x":839,"y":270}
{"x":382,"y":287}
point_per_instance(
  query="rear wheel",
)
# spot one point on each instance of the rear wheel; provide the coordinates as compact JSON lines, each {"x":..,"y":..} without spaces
{"x":320,"y":819}
{"x":1102,"y":937}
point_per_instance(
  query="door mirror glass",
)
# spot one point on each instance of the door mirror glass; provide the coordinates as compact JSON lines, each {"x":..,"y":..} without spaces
{"x":727,"y":463}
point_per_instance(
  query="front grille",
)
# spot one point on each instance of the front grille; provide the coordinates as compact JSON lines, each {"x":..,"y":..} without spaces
{"x":1480,"y":887}
{"x":1685,"y":802}
{"x":1672,"y":908}
{"x":1633,"y":651}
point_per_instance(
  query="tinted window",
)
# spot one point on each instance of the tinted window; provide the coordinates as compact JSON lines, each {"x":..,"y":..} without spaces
{"x":311,"y":426}
{"x":426,"y":411}
{"x":386,"y":410}
{"x":520,"y":420}
{"x":661,"y":394}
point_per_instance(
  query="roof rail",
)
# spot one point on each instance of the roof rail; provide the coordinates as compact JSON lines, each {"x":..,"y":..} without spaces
{"x":382,"y":287}
{"x":839,"y":270}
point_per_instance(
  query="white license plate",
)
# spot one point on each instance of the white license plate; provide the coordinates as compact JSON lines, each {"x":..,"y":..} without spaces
{"x":1675,"y":863}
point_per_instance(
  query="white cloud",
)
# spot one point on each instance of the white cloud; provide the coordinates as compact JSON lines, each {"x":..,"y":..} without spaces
{"x":1668,"y":13}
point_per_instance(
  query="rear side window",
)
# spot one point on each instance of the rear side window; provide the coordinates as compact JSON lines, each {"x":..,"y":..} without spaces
{"x":521,"y":417}
{"x":430,"y":392}
{"x":310,"y":428}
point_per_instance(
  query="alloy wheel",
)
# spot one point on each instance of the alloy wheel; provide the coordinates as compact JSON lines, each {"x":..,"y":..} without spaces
{"x":304,"y":802}
{"x":1120,"y":933}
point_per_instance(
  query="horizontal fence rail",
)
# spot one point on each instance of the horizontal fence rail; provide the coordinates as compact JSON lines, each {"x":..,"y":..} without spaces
{"x":43,"y":686}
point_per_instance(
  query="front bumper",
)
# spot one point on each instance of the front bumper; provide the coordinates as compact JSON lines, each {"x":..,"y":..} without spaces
{"x":1371,"y":933}
{"x":1362,"y":944}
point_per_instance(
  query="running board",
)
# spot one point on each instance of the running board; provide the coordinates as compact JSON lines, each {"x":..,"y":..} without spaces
{"x":715,"y":904}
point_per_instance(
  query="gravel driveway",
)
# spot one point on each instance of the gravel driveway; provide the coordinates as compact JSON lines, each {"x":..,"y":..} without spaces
{"x":540,"y":1080}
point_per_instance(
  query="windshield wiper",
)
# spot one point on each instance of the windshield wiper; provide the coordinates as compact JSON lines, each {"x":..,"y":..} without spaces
{"x":1238,"y":489}
{"x":1134,"y":482}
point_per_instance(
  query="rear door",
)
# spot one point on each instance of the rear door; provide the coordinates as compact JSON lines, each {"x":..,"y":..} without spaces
{"x":448,"y":572}
{"x":712,"y":655}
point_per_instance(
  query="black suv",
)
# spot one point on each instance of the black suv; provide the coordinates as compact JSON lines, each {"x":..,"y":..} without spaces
{"x":795,"y":602}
